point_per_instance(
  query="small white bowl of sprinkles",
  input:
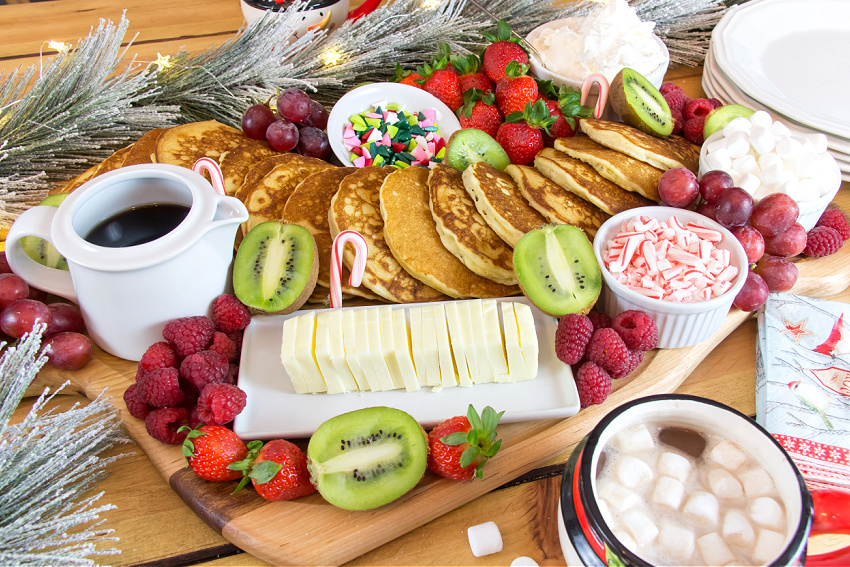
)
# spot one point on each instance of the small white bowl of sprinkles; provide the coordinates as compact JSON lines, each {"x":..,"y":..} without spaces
{"x":683,"y":269}
{"x":390,"y":124}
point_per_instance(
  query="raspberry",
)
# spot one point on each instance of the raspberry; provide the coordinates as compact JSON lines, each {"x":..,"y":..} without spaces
{"x":220,"y":403}
{"x":232,"y":373}
{"x":236,"y":337}
{"x":230,"y":314}
{"x":608,"y":351}
{"x":697,"y":108}
{"x":637,"y":329}
{"x":667,"y":88}
{"x":675,"y":99}
{"x":158,"y":355}
{"x":599,"y":319}
{"x":222,"y":344}
{"x":678,"y":122}
{"x":205,"y":367}
{"x":135,"y":406}
{"x":195,"y":420}
{"x":635,"y":358}
{"x":593,"y":384}
{"x":834,"y":218}
{"x":822,"y":241}
{"x":162,"y":424}
{"x":571,"y":337}
{"x":716,"y":102}
{"x":693,"y":130}
{"x":160,"y":388}
{"x":189,"y":334}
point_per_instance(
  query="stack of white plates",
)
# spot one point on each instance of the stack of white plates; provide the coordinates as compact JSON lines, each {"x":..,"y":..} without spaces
{"x":791,"y":59}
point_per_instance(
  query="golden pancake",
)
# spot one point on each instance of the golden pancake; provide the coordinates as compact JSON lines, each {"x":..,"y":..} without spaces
{"x":257,"y":172}
{"x":183,"y":145}
{"x":663,"y":153}
{"x":581,"y":179}
{"x":356,"y":206}
{"x":308,"y":206}
{"x":554,"y":202}
{"x":499,"y":201}
{"x":463,"y":230}
{"x":236,"y":163}
{"x":411,"y":234}
{"x":114,"y":161}
{"x":627,"y":172}
{"x":144,"y":150}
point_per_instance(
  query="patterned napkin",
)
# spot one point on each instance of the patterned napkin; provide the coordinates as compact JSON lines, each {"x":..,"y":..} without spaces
{"x":803,"y":384}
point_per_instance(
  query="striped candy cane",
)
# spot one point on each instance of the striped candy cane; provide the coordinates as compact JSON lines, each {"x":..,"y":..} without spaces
{"x":603,"y":92}
{"x":361,"y":249}
{"x":210,"y":166}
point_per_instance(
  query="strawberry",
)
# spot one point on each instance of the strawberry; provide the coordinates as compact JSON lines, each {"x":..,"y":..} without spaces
{"x":515,"y":89}
{"x":280,"y":472}
{"x":521,"y":136}
{"x":411,"y":78}
{"x":469,"y":76}
{"x":211,"y":449}
{"x":460,"y":446}
{"x":478,"y":111}
{"x":565,"y":110}
{"x":504,"y":47}
{"x":442,"y":82}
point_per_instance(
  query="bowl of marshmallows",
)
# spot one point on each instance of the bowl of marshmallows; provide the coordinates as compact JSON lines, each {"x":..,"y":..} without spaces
{"x":763,"y":156}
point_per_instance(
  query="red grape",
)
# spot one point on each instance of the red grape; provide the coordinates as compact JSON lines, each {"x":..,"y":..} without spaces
{"x":733,"y":207}
{"x":64,"y":317}
{"x":318,"y":116}
{"x":314,"y":143}
{"x":21,"y":316}
{"x":774,"y":214}
{"x":678,"y":187}
{"x":713,"y":183}
{"x":751,"y":240}
{"x":282,"y":135}
{"x":788,"y":243}
{"x":12,"y":288}
{"x":4,"y":264}
{"x":706,"y":209}
{"x":780,"y":274}
{"x":256,"y":121}
{"x":294,"y":105}
{"x":37,"y":294}
{"x":753,"y":295}
{"x":68,"y":350}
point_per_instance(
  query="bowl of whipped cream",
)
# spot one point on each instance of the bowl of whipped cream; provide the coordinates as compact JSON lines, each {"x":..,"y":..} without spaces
{"x":608,"y":38}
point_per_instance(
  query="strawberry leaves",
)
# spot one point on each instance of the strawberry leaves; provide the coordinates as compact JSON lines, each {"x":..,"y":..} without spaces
{"x":503,"y":33}
{"x":481,"y":438}
{"x":569,"y":100}
{"x":536,"y":116}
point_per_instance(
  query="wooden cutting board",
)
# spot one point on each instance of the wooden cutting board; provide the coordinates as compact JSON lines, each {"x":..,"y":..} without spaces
{"x":309,"y":531}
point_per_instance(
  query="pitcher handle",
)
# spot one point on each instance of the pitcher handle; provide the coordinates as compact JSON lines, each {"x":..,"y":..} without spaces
{"x":832,"y":516}
{"x":36,"y":222}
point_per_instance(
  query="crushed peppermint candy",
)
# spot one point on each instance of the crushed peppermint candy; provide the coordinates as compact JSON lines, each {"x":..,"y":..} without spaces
{"x":387,"y":134}
{"x":669,"y":260}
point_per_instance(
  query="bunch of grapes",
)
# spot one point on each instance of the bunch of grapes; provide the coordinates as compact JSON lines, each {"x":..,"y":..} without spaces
{"x":299,"y":124}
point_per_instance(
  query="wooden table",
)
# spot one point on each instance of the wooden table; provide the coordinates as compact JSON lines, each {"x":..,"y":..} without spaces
{"x":153,"y":525}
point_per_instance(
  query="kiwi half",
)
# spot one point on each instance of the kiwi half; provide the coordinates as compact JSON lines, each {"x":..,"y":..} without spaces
{"x":41,"y":250}
{"x":639,"y":103}
{"x":557,"y":270}
{"x":367,"y":458}
{"x":471,"y":145}
{"x":276,"y":267}
{"x":718,"y":118}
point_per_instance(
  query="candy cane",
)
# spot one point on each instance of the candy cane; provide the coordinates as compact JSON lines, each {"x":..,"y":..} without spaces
{"x":210,"y":166}
{"x":361,"y":249}
{"x":603,"y":92}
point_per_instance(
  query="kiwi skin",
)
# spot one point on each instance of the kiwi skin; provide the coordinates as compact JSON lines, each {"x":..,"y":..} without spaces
{"x":633,"y":108}
{"x":461,"y":153}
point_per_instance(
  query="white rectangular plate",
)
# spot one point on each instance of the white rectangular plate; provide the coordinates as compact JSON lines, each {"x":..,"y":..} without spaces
{"x":274,"y":409}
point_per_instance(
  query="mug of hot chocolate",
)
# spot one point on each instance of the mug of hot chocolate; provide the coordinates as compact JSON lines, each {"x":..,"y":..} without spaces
{"x":682,"y":480}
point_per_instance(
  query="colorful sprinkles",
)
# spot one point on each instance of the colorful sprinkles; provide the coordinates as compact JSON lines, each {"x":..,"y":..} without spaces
{"x":386,"y":134}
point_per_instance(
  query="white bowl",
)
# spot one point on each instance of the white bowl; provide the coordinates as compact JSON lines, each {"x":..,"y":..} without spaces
{"x":656,"y":77}
{"x":360,"y":99}
{"x":679,"y":324}
{"x":810,"y":211}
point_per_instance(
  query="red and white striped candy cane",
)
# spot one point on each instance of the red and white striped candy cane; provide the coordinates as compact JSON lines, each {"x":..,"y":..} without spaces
{"x":603,"y":92}
{"x":210,"y":166}
{"x":361,"y":249}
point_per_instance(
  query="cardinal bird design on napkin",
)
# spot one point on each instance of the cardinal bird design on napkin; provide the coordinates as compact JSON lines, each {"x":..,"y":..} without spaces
{"x":838,"y":341}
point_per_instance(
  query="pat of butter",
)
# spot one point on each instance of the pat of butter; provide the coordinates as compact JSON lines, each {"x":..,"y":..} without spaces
{"x":287,"y":356}
{"x":527,"y":337}
{"x":363,"y":351}
{"x":305,"y":344}
{"x":494,"y":341}
{"x":376,"y":349}
{"x":448,"y":372}
{"x":337,"y":349}
{"x":403,"y":352}
{"x":516,"y":363}
{"x":349,"y":342}
{"x":429,"y":347}
{"x":478,"y":340}
{"x":459,"y":350}
{"x":388,"y":345}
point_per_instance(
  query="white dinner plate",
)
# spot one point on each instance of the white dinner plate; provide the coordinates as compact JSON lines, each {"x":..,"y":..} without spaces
{"x":274,"y":410}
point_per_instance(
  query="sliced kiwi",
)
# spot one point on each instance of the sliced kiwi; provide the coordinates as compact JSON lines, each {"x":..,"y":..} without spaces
{"x":41,"y":250}
{"x":718,"y":118}
{"x":367,"y":458}
{"x":276,"y":267}
{"x":639,"y":103}
{"x":471,"y":145}
{"x":557,"y":269}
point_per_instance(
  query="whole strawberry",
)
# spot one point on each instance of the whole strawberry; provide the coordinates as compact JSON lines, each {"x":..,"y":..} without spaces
{"x":478,"y":111}
{"x":411,"y":78}
{"x":469,"y":75}
{"x":442,"y":82}
{"x":504,"y":48}
{"x":515,"y":89}
{"x":566,"y":110}
{"x":522,"y":135}
{"x":280,"y":472}
{"x":211,"y":449}
{"x":460,"y":446}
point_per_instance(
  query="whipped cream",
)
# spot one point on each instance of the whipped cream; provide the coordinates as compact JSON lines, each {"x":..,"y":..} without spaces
{"x":606,"y":40}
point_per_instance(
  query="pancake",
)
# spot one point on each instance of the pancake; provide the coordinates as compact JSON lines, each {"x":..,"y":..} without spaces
{"x":463,"y":231}
{"x":183,"y":145}
{"x":308,"y":206}
{"x":111,"y":163}
{"x":411,"y":234}
{"x":266,"y":200}
{"x":499,"y":201}
{"x":144,"y":150}
{"x":627,"y":172}
{"x":554,"y":202}
{"x":356,"y":206}
{"x":581,"y":179}
{"x":236,"y":163}
{"x":663,"y":153}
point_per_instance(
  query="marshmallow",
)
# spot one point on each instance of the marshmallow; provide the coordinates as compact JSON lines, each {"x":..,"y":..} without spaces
{"x":810,"y":189}
{"x":745,"y":164}
{"x":618,"y":497}
{"x":739,"y":124}
{"x":762,"y":140}
{"x":768,"y":546}
{"x":674,"y":465}
{"x":724,"y":485}
{"x":737,"y":529}
{"x":766,"y":511}
{"x":702,"y":506}
{"x":715,"y":145}
{"x":807,"y":164}
{"x":523,"y":561}
{"x":635,"y":439}
{"x":770,"y":159}
{"x":719,"y":159}
{"x":738,"y":144}
{"x":778,"y":129}
{"x":787,"y":148}
{"x":677,"y":542}
{"x":818,"y":142}
{"x":749,"y":183}
{"x":773,"y":175}
{"x":668,"y":492}
{"x":756,"y":482}
{"x":727,"y":455}
{"x":633,"y":472}
{"x":640,"y":526}
{"x":714,"y":550}
{"x":484,"y":539}
{"x":762,"y":119}
{"x":793,"y":189}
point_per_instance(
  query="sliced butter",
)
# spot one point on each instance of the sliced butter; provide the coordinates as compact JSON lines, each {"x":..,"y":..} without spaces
{"x":448,"y":372}
{"x":456,"y":338}
{"x":388,"y":345}
{"x":516,"y":363}
{"x":494,"y":341}
{"x":478,"y":339}
{"x":305,"y":345}
{"x":337,"y":350}
{"x":349,"y":341}
{"x":430,"y":349}
{"x":333,"y":381}
{"x":403,"y":351}
{"x":527,"y":337}
{"x":287,"y":356}
{"x":364,"y":346}
{"x":376,"y":349}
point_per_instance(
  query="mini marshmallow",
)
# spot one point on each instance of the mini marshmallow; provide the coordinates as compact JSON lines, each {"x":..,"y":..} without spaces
{"x":762,"y":192}
{"x":716,"y":144}
{"x":677,"y":542}
{"x":702,"y":506}
{"x":626,"y":540}
{"x":737,"y":529}
{"x":807,"y":164}
{"x":724,"y":485}
{"x":762,"y":119}
{"x":809,"y":189}
{"x":640,"y":526}
{"x":778,"y":129}
{"x":736,"y":177}
{"x":719,"y":159}
{"x":762,"y":140}
{"x":635,"y":439}
{"x":523,"y":561}
{"x":749,"y":183}
{"x":768,"y":545}
{"x":766,"y":511}
{"x":788,"y":148}
{"x":756,"y":482}
{"x":770,"y":159}
{"x":618,"y":497}
{"x":773,"y":175}
{"x":727,"y":455}
{"x":674,"y":465}
{"x":668,"y":492}
{"x":714,"y":550}
{"x":484,"y":539}
{"x":739,"y":124}
{"x":745,"y":164}
{"x":633,"y":472}
{"x":738,"y":144}
{"x":818,"y":141}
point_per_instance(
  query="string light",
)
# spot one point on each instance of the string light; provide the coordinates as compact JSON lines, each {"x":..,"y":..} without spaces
{"x":430,"y":4}
{"x":162,"y":61}
{"x":331,"y":56}
{"x":59,"y":46}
